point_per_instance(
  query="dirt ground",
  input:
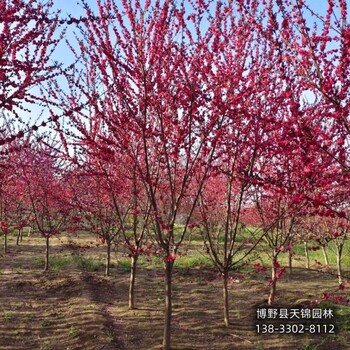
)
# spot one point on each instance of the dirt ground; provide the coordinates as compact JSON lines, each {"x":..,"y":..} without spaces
{"x":73,"y":309}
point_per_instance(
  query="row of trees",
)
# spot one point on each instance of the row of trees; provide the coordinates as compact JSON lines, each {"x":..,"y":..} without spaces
{"x":115,"y":208}
{"x":227,"y":116}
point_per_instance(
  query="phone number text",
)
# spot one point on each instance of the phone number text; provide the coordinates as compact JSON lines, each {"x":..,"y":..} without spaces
{"x":296,"y":328}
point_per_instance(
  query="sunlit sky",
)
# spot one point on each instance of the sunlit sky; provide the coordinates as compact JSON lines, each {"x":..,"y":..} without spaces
{"x":75,"y":9}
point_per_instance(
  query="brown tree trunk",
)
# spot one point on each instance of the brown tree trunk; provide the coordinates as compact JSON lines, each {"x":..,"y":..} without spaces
{"x":132,"y":282}
{"x":168,"y":305}
{"x":290,"y":262}
{"x":5,"y":244}
{"x":108,"y":258}
{"x":226,"y":300}
{"x":19,"y":236}
{"x":46,"y":268}
{"x":307,"y":255}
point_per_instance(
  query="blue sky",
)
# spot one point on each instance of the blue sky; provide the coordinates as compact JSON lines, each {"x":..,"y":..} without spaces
{"x":71,"y":7}
{"x":75,"y":9}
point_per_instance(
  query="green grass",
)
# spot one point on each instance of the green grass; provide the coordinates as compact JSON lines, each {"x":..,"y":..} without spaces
{"x":318,"y":254}
{"x":58,"y":263}
{"x":341,"y":315}
{"x":299,"y":258}
{"x":46,"y":347}
{"x":194,"y":238}
{"x":193,"y":260}
{"x":244,"y":235}
{"x":73,"y":332}
{"x":309,"y":347}
{"x":89,"y":264}
{"x":45,"y":323}
{"x":124,"y":264}
{"x":8,"y":316}
{"x":146,"y":262}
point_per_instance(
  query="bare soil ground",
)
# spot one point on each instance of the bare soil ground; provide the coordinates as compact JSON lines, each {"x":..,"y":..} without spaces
{"x":76,"y":309}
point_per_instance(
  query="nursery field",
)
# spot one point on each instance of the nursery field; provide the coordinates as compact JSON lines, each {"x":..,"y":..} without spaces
{"x":74,"y":306}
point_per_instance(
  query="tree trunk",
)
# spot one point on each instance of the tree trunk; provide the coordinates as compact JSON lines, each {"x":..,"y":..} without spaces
{"x":5,"y":244}
{"x":307,"y":255}
{"x":47,"y":253}
{"x":339,"y":267}
{"x":272,"y":288}
{"x":226,"y":300}
{"x":168,"y":305}
{"x":273,"y":282}
{"x":290,"y":261}
{"x":132,"y":282}
{"x":189,"y":242}
{"x":325,"y":255}
{"x":19,"y":236}
{"x":108,"y":258}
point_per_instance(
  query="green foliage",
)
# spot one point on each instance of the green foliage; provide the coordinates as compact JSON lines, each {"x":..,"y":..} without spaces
{"x":73,"y":332}
{"x":111,"y":338}
{"x":309,"y":347}
{"x":8,"y":316}
{"x":45,"y":323}
{"x":178,"y":228}
{"x":46,"y":347}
